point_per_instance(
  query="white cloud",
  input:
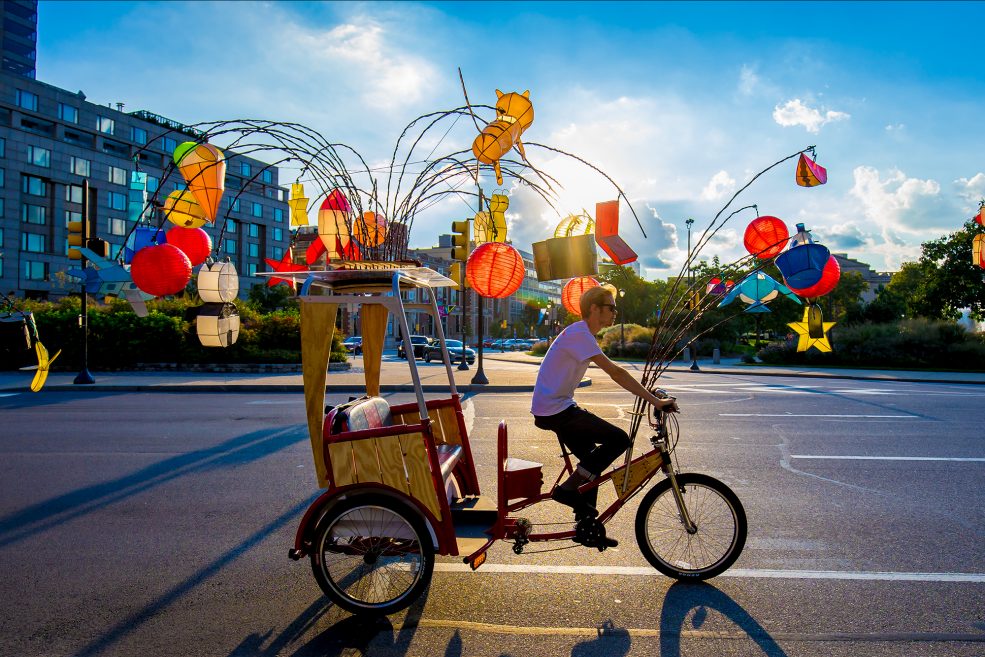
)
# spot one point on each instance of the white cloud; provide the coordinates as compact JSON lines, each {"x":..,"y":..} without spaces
{"x":719,"y":185}
{"x":795,"y":112}
{"x":895,"y":127}
{"x":972,"y":190}
{"x":748,"y":80}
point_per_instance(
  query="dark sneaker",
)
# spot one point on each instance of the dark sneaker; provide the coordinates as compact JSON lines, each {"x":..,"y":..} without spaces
{"x":575,"y":500}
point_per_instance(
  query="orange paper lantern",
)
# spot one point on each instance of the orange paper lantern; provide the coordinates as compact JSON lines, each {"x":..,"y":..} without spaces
{"x":370,"y":231}
{"x":203,"y":167}
{"x":766,"y":237}
{"x":161,"y":269}
{"x":572,"y":291}
{"x":495,"y":270}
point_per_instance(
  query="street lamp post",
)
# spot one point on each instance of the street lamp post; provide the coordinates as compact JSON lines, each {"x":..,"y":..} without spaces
{"x":690,"y":293}
{"x":622,"y":328}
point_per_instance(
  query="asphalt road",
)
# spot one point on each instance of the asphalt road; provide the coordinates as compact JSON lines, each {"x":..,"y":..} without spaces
{"x":158,"y":524}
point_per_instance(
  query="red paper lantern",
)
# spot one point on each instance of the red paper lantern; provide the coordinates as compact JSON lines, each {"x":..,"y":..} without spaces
{"x":194,"y":242}
{"x":829,"y":279}
{"x":766,"y":237}
{"x":572,"y":291}
{"x":495,"y":269}
{"x":161,"y":269}
{"x":980,"y":217}
{"x":336,"y":200}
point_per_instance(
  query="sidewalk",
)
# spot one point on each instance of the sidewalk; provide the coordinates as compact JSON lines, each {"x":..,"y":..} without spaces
{"x":507,"y":372}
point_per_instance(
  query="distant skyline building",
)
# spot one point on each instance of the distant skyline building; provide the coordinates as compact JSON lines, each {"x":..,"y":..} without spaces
{"x":19,"y":37}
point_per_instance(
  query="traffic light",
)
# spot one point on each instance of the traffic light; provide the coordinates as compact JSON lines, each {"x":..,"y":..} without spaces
{"x":457,"y":274}
{"x":98,"y":246}
{"x":460,"y":240}
{"x":77,"y":235}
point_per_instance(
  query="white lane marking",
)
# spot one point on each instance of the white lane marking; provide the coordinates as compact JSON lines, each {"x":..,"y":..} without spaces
{"x":752,"y":573}
{"x":272,"y":402}
{"x":9,"y":394}
{"x":969,"y":459}
{"x":909,"y":417}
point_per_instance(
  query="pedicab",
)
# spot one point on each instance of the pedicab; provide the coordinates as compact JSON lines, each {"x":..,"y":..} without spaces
{"x":400,"y":480}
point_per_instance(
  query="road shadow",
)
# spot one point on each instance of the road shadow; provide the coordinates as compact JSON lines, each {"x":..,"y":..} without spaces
{"x":60,"y":509}
{"x":611,"y":641}
{"x":677,"y":622}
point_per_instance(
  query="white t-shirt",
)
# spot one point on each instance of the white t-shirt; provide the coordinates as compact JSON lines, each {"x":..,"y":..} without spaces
{"x":564,"y":365}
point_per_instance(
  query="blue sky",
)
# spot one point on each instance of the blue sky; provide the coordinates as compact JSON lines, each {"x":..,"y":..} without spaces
{"x":680,"y":103}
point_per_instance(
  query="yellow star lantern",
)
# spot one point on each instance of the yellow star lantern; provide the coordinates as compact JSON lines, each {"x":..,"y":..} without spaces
{"x":299,"y":205}
{"x":804,"y":339}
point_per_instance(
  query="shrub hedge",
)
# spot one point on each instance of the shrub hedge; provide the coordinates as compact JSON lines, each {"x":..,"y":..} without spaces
{"x":118,"y":339}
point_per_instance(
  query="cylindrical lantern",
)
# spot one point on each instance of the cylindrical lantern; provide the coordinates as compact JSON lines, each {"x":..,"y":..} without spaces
{"x":572,"y":291}
{"x":218,"y":282}
{"x":194,"y":242}
{"x":803,"y":265}
{"x":217,"y":324}
{"x":978,"y":250}
{"x":495,"y":270}
{"x":370,"y":230}
{"x":766,"y":236}
{"x":161,"y":270}
{"x":183,"y":210}
{"x":829,"y":280}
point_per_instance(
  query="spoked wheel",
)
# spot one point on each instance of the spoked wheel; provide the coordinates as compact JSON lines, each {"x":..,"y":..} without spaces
{"x":718,"y":538}
{"x":372,"y":555}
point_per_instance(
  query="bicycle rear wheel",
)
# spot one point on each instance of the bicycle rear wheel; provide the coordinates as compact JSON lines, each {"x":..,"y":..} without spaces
{"x":720,"y":524}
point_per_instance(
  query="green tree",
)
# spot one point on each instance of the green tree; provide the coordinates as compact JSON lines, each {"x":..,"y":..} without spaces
{"x":944,"y":280}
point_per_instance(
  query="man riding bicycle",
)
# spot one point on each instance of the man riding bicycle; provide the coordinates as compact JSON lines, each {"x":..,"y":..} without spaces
{"x":594,"y":442}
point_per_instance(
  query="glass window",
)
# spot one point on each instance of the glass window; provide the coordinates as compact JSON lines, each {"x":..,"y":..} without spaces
{"x":268,"y":176}
{"x":277,"y":253}
{"x":279,"y":215}
{"x":116,"y":200}
{"x":79,"y":166}
{"x":180,"y":186}
{"x":34,"y":271}
{"x":34,"y":185}
{"x":73,"y":193}
{"x":34,"y":214}
{"x":27,"y":100}
{"x":2,"y":207}
{"x":230,"y":246}
{"x":3,"y":147}
{"x":245,"y":169}
{"x":105,"y":125}
{"x":118,"y":176}
{"x":117,"y":226}
{"x":254,"y":249}
{"x":169,"y":144}
{"x":278,"y":234}
{"x":138,"y":135}
{"x":251,"y":269}
{"x":38,"y":156}
{"x":3,"y":177}
{"x":254,"y":230}
{"x":230,"y":225}
{"x":234,"y":204}
{"x":68,"y":113}
{"x":257,"y":210}
{"x":152,"y":184}
{"x":72,"y":215}
{"x":32,"y":243}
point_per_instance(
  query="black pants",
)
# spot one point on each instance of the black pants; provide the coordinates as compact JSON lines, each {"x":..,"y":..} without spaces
{"x":594,"y":442}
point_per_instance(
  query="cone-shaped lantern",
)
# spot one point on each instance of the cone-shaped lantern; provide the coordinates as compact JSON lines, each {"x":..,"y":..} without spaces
{"x":203,"y":167}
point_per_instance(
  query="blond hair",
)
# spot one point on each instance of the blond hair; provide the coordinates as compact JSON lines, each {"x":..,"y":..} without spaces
{"x":593,"y":296}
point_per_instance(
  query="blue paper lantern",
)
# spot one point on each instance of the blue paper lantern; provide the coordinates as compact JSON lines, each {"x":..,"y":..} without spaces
{"x":142,"y":236}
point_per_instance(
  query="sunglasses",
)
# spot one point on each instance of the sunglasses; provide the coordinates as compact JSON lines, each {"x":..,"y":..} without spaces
{"x":610,"y":306}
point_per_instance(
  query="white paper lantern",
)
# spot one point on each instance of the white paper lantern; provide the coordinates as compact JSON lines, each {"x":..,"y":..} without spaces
{"x":217,"y":325}
{"x":218,"y":282}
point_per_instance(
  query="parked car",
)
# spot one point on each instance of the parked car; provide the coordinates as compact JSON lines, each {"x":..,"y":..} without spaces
{"x":420,"y":344}
{"x":354,"y":344}
{"x":433,"y":352}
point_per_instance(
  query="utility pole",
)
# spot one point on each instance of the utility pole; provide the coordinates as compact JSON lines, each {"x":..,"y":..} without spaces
{"x":79,"y":236}
{"x":480,"y":376}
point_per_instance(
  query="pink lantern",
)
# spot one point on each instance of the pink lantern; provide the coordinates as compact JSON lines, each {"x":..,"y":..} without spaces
{"x":194,"y":242}
{"x":161,"y":269}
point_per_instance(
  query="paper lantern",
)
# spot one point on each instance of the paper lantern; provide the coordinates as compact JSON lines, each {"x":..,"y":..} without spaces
{"x":491,"y":226}
{"x":802,"y":266}
{"x":575,"y":224}
{"x":810,"y":173}
{"x":203,"y":166}
{"x":757,"y":289}
{"x":142,"y":236}
{"x":978,"y":250}
{"x":183,"y":210}
{"x":194,"y":242}
{"x":495,"y":270}
{"x":218,"y":282}
{"x":766,"y":237}
{"x":299,"y":205}
{"x":217,"y":324}
{"x":160,"y":270}
{"x":333,"y":226}
{"x":829,"y":280}
{"x":979,"y":217}
{"x":572,"y":291}
{"x":370,"y":230}
{"x":514,"y":114}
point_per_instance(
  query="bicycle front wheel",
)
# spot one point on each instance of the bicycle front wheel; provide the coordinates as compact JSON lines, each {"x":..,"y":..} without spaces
{"x":372,"y":555}
{"x":717,"y":541}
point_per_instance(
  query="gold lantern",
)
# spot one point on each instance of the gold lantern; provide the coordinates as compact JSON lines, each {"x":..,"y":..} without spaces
{"x":217,"y":324}
{"x":218,"y":282}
